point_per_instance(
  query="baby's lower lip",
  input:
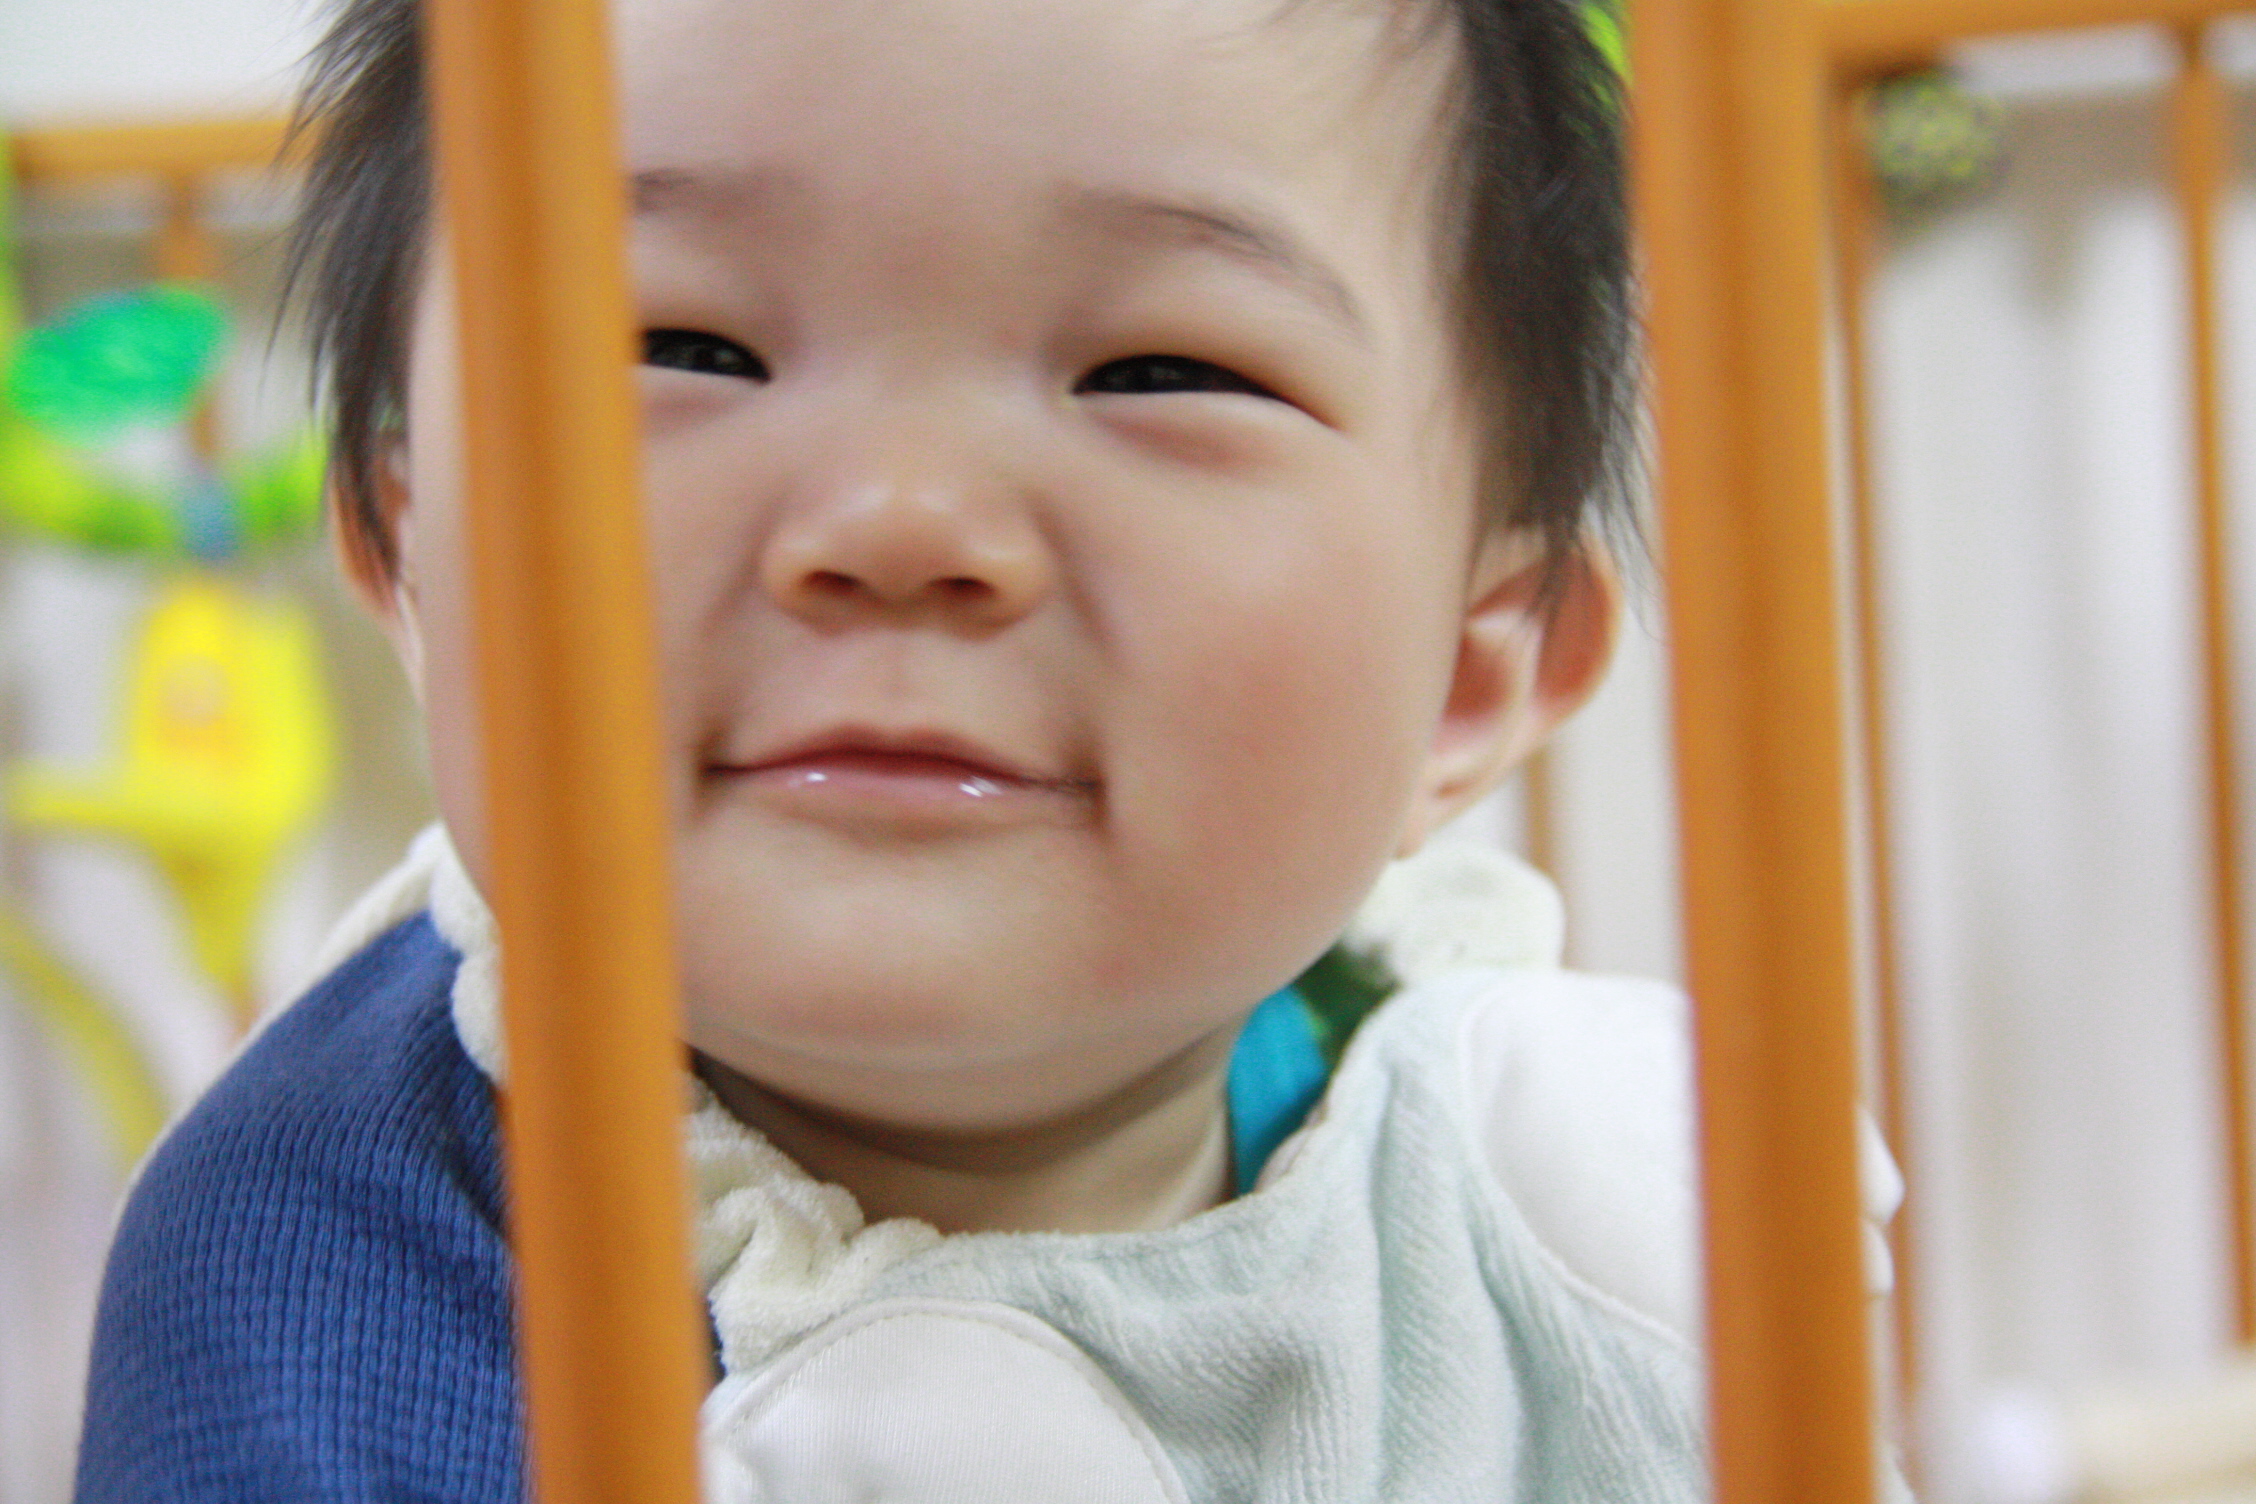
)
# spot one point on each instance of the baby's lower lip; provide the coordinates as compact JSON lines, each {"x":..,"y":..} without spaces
{"x":907,"y":790}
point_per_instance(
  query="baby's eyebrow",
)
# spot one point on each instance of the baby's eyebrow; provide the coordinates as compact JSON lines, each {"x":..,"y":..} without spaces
{"x":1240,"y":232}
{"x":667,"y":190}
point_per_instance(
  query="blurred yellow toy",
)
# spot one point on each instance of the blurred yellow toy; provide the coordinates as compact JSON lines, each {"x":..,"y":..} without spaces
{"x":228,"y":759}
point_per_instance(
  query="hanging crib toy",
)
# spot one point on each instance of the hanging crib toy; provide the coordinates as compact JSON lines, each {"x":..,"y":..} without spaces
{"x":228,"y":749}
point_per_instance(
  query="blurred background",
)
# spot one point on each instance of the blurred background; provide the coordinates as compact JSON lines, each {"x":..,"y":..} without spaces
{"x":207,"y":753}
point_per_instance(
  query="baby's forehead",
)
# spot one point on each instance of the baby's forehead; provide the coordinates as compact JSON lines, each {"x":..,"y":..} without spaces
{"x":1318,"y":120}
{"x":1123,"y":75}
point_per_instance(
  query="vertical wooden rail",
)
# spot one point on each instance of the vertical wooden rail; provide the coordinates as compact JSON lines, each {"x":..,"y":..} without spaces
{"x":1856,"y":215}
{"x":1539,"y":813}
{"x":534,"y":211}
{"x":11,"y":284}
{"x":185,"y":252}
{"x":2199,"y":128}
{"x":1729,"y":144}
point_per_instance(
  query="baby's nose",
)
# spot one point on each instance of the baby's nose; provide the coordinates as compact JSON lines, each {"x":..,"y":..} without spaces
{"x":908,"y":551}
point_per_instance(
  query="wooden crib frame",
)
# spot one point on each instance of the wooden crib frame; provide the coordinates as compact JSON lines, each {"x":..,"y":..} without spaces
{"x":1756,"y":226}
{"x":1869,"y":41}
{"x":1747,"y":158}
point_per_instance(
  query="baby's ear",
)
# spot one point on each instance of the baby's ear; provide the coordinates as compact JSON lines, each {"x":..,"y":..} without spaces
{"x":1536,"y":639}
{"x":381,"y":586}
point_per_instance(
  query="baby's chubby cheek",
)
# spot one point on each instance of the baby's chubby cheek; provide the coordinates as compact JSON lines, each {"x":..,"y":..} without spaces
{"x":1291,"y":789}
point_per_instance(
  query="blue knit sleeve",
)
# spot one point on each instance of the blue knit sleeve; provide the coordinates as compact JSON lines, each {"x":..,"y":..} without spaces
{"x":308,"y":1297}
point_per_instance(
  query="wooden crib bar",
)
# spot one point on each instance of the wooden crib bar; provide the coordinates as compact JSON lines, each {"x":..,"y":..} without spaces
{"x":2199,"y":131}
{"x":530,"y":176}
{"x":1729,"y":128}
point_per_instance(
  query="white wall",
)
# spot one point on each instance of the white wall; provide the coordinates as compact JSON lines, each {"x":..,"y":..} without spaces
{"x":129,"y":59}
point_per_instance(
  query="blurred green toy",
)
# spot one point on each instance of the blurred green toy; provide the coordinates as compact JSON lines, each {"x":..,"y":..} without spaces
{"x":1603,"y":20}
{"x":137,"y":357}
{"x":80,"y":395}
{"x":79,"y":392}
{"x":1934,"y":144}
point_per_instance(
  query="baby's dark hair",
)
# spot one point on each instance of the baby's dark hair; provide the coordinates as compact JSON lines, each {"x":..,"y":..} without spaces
{"x":1534,"y":234}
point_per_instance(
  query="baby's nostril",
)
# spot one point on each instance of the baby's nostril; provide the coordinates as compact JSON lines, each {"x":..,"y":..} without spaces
{"x":839,"y":585}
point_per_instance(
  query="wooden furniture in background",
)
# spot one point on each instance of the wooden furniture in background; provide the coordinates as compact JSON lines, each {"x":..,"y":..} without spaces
{"x":1865,"y":40}
{"x":1732,"y":97}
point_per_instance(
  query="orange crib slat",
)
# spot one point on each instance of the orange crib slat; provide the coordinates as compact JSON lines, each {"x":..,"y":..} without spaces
{"x":1869,"y":37}
{"x":1728,"y":144}
{"x":66,"y":153}
{"x":1856,"y":214}
{"x":530,"y":178}
{"x":186,"y":251}
{"x":2199,"y":128}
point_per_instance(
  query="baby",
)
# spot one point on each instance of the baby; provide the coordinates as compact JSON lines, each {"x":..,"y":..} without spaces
{"x":1118,"y":475}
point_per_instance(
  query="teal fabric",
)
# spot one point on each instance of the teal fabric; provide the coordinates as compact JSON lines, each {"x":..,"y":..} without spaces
{"x":1277,"y":1073}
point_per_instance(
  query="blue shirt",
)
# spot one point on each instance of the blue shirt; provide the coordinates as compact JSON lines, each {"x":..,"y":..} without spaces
{"x":309,"y":1294}
{"x":308,"y":1298}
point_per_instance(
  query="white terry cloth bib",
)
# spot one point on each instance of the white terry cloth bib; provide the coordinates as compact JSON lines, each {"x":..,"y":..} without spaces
{"x":1380,"y":1320}
{"x":1376,"y":1322}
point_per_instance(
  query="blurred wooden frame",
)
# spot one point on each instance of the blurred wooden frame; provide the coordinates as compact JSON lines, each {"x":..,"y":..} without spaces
{"x":166,"y":149}
{"x":1869,"y":39}
{"x":1750,"y":191}
{"x":182,"y":156}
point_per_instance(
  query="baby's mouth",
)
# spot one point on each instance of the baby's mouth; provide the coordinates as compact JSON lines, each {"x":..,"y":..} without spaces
{"x":972,"y":780}
{"x":908,"y":785}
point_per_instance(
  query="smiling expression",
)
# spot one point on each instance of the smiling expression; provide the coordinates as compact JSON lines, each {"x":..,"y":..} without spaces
{"x":1061,"y":517}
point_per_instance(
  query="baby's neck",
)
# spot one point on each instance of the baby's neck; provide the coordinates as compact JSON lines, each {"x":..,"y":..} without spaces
{"x":1146,"y":1157}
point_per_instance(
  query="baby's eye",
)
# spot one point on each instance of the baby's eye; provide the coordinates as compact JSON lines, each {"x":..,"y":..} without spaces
{"x":701,"y":354}
{"x":1142,"y":375}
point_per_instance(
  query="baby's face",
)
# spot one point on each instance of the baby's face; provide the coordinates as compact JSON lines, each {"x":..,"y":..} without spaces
{"x":1061,"y":521}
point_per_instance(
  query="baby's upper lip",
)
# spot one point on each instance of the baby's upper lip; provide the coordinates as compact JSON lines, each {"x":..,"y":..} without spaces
{"x":871,"y":741}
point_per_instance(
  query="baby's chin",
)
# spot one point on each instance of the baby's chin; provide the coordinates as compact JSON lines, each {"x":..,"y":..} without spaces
{"x":941,"y":1061}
